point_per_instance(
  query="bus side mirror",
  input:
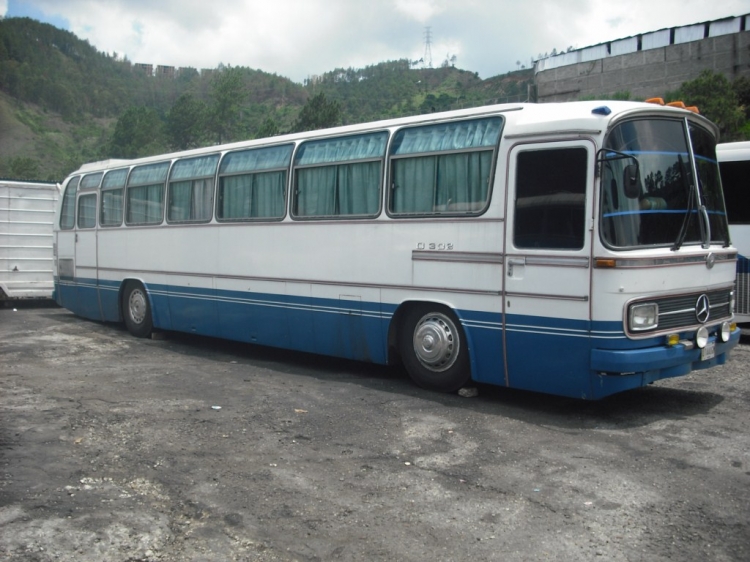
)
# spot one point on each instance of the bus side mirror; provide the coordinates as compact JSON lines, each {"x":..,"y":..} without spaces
{"x":631,"y":181}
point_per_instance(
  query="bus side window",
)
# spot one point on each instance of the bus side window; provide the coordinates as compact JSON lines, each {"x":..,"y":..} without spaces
{"x":113,"y":185}
{"x":191,"y":189}
{"x":145,"y":194}
{"x":444,"y":168}
{"x":68,"y":211}
{"x":339,"y":176}
{"x":252,"y":184}
{"x":550,"y":199}
{"x":87,"y":210}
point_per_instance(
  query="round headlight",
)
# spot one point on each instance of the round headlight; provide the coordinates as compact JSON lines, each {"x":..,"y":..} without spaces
{"x":726,"y":331}
{"x":701,"y":337}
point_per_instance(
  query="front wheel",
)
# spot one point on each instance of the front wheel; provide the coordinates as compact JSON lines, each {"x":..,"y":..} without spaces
{"x":136,"y":310}
{"x":433,"y":348}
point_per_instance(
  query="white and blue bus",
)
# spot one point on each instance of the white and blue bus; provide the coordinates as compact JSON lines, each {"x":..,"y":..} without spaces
{"x":577,"y":249}
{"x":734,"y":163}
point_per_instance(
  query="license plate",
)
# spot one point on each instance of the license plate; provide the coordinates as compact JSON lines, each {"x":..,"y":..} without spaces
{"x":708,"y":352}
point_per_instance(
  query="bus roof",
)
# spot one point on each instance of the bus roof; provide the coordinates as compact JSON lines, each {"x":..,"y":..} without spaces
{"x":523,"y":119}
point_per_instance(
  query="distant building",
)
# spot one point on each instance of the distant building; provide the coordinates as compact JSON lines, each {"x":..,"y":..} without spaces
{"x":646,"y":65}
{"x":147,"y":69}
{"x":165,"y":71}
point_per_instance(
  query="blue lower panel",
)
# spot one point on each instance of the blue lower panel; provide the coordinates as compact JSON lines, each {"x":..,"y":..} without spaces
{"x":484,"y":334}
{"x":615,"y":370}
{"x":550,"y":355}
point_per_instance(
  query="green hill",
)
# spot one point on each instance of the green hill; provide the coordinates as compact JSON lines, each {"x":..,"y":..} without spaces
{"x":61,"y":99}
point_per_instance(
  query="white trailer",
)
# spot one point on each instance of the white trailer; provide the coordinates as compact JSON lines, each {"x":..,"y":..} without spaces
{"x":27,"y":211}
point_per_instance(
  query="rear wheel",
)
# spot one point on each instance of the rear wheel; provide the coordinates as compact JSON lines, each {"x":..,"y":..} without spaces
{"x":433,"y":348}
{"x":136,"y":310}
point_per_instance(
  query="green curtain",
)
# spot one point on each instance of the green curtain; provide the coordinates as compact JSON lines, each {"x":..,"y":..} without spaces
{"x":448,"y":183}
{"x":145,"y":204}
{"x":87,"y":211}
{"x":250,"y":196}
{"x":191,"y":200}
{"x":344,"y":189}
{"x":115,"y":178}
{"x":111,"y":207}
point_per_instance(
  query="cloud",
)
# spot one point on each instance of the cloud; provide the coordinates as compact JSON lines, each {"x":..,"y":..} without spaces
{"x":298,"y":38}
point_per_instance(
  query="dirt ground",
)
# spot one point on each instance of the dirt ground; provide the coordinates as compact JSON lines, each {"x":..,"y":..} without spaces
{"x":193,"y":449}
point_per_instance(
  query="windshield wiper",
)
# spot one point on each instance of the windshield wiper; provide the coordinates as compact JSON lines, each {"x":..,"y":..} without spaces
{"x":688,"y":215}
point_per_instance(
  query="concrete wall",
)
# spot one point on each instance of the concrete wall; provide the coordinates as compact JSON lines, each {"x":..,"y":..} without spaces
{"x":649,"y":73}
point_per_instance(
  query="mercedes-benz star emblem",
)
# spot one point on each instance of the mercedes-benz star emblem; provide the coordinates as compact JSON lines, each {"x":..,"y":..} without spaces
{"x":702,"y":310}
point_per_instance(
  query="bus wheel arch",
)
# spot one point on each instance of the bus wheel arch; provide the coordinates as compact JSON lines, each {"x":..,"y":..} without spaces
{"x":136,"y":309}
{"x":432,"y":345}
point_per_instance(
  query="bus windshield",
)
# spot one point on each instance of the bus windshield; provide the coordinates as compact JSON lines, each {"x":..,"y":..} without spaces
{"x":649,"y":196}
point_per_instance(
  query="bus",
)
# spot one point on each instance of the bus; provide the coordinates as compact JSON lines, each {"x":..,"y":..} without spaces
{"x":734,"y":163}
{"x":578,"y":249}
{"x":27,"y":212}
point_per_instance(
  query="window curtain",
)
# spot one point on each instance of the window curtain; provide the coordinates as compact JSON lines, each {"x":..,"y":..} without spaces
{"x":448,"y":136}
{"x":256,"y":159}
{"x":191,"y":200}
{"x":87,"y":211}
{"x":252,"y":196}
{"x":316,"y":191}
{"x":414,"y":182}
{"x":358,"y":189}
{"x":346,"y":189}
{"x":111,"y":207}
{"x":145,"y":204}
{"x":446,"y":183}
{"x":91,"y":180}
{"x":115,"y":178}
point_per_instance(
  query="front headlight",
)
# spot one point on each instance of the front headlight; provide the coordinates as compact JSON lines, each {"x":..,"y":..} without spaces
{"x":643,"y":317}
{"x":725,"y":332}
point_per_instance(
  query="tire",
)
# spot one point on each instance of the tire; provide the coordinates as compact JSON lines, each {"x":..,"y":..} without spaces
{"x":136,"y":310}
{"x":433,"y":348}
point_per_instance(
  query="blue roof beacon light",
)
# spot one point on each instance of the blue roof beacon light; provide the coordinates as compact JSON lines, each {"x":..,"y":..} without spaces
{"x":603,"y":110}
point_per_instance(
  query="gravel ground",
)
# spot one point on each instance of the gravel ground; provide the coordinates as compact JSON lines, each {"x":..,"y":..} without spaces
{"x":194,"y":449}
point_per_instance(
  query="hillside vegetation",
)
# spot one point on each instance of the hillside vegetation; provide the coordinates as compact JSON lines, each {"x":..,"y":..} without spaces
{"x":63,"y":103}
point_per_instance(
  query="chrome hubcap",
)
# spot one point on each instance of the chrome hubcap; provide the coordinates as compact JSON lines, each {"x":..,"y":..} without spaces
{"x":137,"y":306}
{"x":436,"y":342}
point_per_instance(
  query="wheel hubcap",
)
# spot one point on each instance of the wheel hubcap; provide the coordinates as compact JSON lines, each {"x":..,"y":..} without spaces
{"x":436,"y":342}
{"x":137,"y":306}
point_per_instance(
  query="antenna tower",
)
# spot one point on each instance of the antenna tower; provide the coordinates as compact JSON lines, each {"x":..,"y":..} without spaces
{"x":427,"y":59}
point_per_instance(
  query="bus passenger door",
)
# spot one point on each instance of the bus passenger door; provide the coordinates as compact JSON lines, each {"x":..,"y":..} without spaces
{"x":86,"y":275}
{"x":547,"y":267}
{"x":65,"y":247}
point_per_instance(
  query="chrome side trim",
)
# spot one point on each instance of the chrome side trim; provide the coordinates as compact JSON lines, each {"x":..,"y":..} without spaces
{"x":576,"y":298}
{"x":587,"y":132}
{"x":558,"y":261}
{"x":449,"y":256}
{"x":636,"y":263}
{"x":140,"y":273}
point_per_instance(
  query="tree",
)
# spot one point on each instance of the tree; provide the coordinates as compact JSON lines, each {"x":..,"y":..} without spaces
{"x":187,"y":123}
{"x":138,"y":132}
{"x":716,"y":99}
{"x":318,"y":113}
{"x":741,"y":87}
{"x":269,"y":128}
{"x":227,"y":96}
{"x":21,"y":168}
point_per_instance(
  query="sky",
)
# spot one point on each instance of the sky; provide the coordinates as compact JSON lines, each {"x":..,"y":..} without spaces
{"x":302,"y":38}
